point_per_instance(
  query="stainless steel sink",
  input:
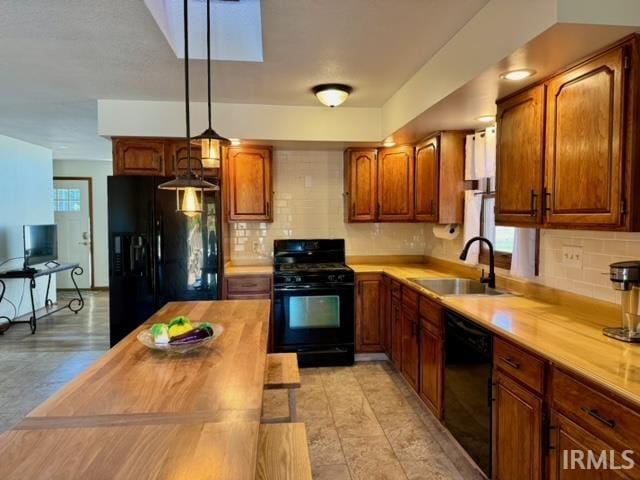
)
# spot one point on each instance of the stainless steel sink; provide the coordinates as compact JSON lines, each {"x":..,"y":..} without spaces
{"x":456,"y":286}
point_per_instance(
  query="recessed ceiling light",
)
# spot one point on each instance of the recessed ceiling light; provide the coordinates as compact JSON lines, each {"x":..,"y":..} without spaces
{"x":519,"y":74}
{"x":486,"y":118}
{"x":332,"y":94}
{"x":63,"y":147}
{"x":235,"y":141}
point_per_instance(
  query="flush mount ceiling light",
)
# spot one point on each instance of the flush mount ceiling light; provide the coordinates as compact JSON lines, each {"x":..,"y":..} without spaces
{"x":515,"y":75}
{"x":234,"y":142}
{"x":486,"y":118}
{"x":389,"y":142}
{"x":189,"y":187}
{"x":332,"y":94}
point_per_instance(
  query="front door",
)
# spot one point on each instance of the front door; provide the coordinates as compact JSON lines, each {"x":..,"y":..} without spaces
{"x":71,"y":205}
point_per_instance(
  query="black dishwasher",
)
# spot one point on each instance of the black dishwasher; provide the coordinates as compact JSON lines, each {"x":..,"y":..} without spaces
{"x":467,"y":392}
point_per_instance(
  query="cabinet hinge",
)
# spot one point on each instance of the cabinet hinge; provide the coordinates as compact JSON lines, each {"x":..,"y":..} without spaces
{"x":626,"y":62}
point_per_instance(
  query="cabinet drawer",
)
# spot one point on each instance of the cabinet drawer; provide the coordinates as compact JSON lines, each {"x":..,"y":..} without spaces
{"x":519,"y":364}
{"x":596,"y":411}
{"x":247,"y":285}
{"x":431,"y":311}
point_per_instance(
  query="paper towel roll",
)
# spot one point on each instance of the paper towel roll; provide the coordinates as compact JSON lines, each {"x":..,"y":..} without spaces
{"x":448,"y":231}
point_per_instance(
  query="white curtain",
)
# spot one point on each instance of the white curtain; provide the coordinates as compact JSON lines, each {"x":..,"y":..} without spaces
{"x":490,"y":152}
{"x":523,"y":258}
{"x":472,"y":209}
{"x":479,"y":154}
{"x":469,"y":160}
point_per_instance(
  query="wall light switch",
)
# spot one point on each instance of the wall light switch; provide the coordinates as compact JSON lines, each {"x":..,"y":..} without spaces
{"x":572,"y":256}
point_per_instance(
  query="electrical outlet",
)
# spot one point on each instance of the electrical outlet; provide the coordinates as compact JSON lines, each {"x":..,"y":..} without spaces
{"x":572,"y":256}
{"x":255,"y":247}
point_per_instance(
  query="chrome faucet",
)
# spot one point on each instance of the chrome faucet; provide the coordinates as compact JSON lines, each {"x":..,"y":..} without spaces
{"x":491,"y":279}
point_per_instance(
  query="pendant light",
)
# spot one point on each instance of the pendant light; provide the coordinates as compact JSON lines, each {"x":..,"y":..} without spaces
{"x":210,"y":140}
{"x":190,"y":187}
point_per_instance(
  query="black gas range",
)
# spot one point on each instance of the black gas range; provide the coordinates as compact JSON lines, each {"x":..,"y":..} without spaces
{"x":314,"y":302}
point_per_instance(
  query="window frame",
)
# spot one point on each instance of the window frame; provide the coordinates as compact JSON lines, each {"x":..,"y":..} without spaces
{"x":501,"y":259}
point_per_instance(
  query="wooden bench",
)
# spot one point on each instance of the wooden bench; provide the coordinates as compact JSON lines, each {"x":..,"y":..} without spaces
{"x":282,"y":372}
{"x":283,"y":453}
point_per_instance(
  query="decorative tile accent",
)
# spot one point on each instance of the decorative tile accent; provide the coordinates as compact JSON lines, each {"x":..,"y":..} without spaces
{"x":317,"y":212}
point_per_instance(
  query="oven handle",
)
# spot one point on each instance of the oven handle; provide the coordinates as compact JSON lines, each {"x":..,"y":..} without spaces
{"x":308,"y":288}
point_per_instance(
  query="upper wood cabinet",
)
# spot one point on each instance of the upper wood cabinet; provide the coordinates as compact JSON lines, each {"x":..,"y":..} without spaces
{"x":177,"y":159}
{"x":369,"y":298}
{"x":248,"y":182}
{"x":520,"y":158}
{"x":567,"y":150}
{"x":395,"y":184}
{"x":426,"y":187}
{"x":139,"y":156}
{"x":361,"y":183}
{"x":584,"y":154}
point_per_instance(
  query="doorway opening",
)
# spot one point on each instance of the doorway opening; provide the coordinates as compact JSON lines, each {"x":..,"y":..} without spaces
{"x":73,"y":214}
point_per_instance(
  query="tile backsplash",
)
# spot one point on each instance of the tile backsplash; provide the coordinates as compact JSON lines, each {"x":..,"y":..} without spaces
{"x":572,"y":260}
{"x":308,"y":188}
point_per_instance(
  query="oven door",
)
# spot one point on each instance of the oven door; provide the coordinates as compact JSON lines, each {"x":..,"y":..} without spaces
{"x":314,"y":315}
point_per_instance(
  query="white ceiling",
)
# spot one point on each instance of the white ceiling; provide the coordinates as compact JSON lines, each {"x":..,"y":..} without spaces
{"x":60,"y":56}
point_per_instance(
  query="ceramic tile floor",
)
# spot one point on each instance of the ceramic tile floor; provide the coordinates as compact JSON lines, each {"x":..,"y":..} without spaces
{"x":365,"y":422}
{"x":33,"y":367}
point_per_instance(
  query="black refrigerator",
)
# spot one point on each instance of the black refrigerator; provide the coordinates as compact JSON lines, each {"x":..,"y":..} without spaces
{"x":158,"y":255}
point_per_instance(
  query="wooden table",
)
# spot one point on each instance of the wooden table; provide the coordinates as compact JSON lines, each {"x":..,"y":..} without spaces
{"x":138,"y":413}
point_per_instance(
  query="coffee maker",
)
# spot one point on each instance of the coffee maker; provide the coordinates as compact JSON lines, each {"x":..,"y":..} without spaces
{"x":625,"y":277}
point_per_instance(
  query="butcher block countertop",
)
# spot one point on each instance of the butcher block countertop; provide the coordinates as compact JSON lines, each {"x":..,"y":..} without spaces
{"x":568,"y":334}
{"x":137,"y":413}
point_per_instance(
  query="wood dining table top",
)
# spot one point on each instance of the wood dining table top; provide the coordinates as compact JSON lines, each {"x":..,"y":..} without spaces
{"x":139,"y":413}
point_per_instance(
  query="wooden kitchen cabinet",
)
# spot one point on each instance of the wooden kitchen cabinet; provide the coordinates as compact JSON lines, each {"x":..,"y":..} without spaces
{"x":360,"y":185}
{"x":386,"y":315}
{"x":567,"y":436}
{"x":249,"y":184}
{"x":584,"y":143}
{"x":396,"y":184}
{"x":369,"y":299}
{"x":177,"y":159}
{"x":431,"y":348}
{"x":396,"y":326}
{"x":439,"y":178}
{"x":517,"y":431}
{"x":410,"y":345}
{"x":139,"y":156}
{"x":520,"y":158}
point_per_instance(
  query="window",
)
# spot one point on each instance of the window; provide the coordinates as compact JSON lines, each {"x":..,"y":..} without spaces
{"x":502,"y":237}
{"x":66,"y":200}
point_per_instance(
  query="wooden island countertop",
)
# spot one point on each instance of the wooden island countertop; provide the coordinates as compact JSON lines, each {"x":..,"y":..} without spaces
{"x":137,"y":413}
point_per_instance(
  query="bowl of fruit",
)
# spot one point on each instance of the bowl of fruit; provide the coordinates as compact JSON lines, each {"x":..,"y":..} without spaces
{"x":180,"y":335}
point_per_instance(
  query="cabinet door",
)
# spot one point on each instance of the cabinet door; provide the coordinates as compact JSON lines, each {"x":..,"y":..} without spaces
{"x":570,"y":441}
{"x":138,"y":156}
{"x":396,"y":332}
{"x":584,"y":144}
{"x":361,"y":185}
{"x":517,"y":430}
{"x":395,"y":184}
{"x":177,"y":159}
{"x":386,"y":315}
{"x":249,"y":184}
{"x":368,"y":320}
{"x":519,"y":158}
{"x":410,"y":346}
{"x":431,"y":367}
{"x":426,"y":184}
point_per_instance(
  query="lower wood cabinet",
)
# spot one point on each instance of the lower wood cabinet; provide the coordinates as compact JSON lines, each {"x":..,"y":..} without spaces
{"x":517,"y":431}
{"x":410,"y":345}
{"x":385,"y":312}
{"x":431,"y":367}
{"x":396,"y":329}
{"x":369,"y":319}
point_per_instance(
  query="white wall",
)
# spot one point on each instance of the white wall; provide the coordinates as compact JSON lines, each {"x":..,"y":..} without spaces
{"x":26,"y":187}
{"x":308,"y":189}
{"x":98,"y":172}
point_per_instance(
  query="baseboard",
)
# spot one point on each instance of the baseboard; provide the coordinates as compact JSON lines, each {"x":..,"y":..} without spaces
{"x":371,"y":357}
